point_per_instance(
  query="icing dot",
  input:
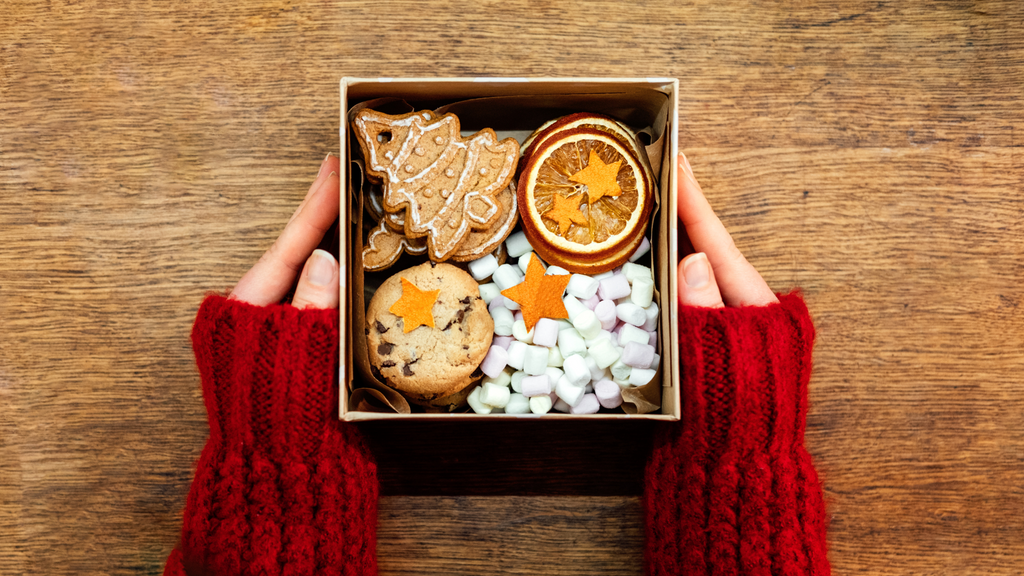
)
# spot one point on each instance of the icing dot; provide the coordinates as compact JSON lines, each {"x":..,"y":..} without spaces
{"x":449,"y":172}
{"x":483,"y":171}
{"x":427,"y":193}
{"x":445,"y":193}
{"x":419,"y":151}
{"x":408,"y":168}
{"x":389,"y":154}
{"x":438,"y":140}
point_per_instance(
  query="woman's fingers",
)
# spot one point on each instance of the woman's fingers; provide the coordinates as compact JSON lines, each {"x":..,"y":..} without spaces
{"x":318,"y":284}
{"x":738,"y":281}
{"x":274,"y":275}
{"x":697,"y":285}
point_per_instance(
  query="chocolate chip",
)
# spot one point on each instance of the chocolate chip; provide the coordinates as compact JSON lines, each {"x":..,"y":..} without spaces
{"x":385,"y":348}
{"x":380,"y":327}
{"x":465,"y":347}
{"x":466,"y":300}
{"x":387,"y":363}
{"x":407,"y":371}
{"x":460,"y":316}
{"x":448,"y":325}
{"x":367,"y":331}
{"x":476,"y":373}
{"x":433,"y":264}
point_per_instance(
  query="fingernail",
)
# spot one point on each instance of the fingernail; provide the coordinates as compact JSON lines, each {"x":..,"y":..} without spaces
{"x":686,"y":165}
{"x":322,"y":164}
{"x":697,"y":271}
{"x":321,"y":268}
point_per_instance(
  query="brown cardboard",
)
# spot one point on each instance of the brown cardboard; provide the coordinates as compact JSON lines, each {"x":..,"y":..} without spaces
{"x":649,"y":105}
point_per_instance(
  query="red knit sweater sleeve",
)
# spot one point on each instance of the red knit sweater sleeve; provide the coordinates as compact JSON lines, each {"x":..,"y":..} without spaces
{"x":282,"y":486}
{"x":730,"y":489}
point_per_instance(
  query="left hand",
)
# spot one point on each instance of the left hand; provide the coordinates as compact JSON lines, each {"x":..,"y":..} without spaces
{"x":273,"y":276}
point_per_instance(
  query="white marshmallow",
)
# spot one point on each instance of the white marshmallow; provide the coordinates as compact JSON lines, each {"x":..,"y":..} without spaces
{"x":563,"y":324}
{"x":655,"y":362}
{"x":606,"y":311}
{"x":507,"y":276}
{"x":637,"y":355}
{"x":503,"y":321}
{"x":524,"y":261}
{"x":536,"y":386}
{"x":596,"y":372}
{"x":622,"y":384}
{"x":611,"y":288}
{"x":510,"y":304}
{"x":630,"y":333}
{"x":536,"y":360}
{"x":489,"y":291}
{"x":476,"y":404}
{"x":561,"y":406}
{"x":545,"y":332}
{"x":640,"y":376}
{"x":643,"y":292}
{"x":517,"y":245}
{"x":633,"y":271}
{"x":645,"y":245}
{"x":519,"y":332}
{"x":630,"y":314}
{"x":588,"y":389}
{"x":651,"y":312}
{"x":604,"y":275}
{"x":496,"y":396}
{"x":557,"y":271}
{"x":588,"y":405}
{"x":502,"y":379}
{"x":576,"y":371}
{"x":554,"y":357}
{"x":587,"y":324}
{"x":582,"y":286}
{"x":540,"y":404}
{"x":517,"y":381}
{"x":482,"y":268}
{"x":517,"y":354}
{"x":604,"y":353}
{"x":553,"y":374}
{"x":570,"y":342}
{"x":608,"y":394}
{"x":574,"y":307}
{"x":568,"y":392}
{"x":517,"y":404}
{"x":602,"y":335}
{"x":502,"y":341}
{"x":620,"y":371}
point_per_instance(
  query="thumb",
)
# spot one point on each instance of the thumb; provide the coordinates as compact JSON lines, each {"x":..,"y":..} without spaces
{"x":318,"y":285}
{"x":697,"y":285}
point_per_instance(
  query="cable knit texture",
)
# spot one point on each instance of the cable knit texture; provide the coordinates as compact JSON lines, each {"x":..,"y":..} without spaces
{"x":282,"y":486}
{"x":730,"y":489}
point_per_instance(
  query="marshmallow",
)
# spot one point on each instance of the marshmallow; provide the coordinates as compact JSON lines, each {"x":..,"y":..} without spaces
{"x":604,"y":353}
{"x":613,"y":287}
{"x":517,"y":245}
{"x":475,"y":403}
{"x":640,"y":376}
{"x":588,"y":389}
{"x":495,"y":361}
{"x":630,"y":333}
{"x":554,"y":357}
{"x":503,"y":320}
{"x":587,"y":324}
{"x":517,"y":381}
{"x":502,"y":379}
{"x":489,"y":291}
{"x":561,"y":406}
{"x":643,"y":292}
{"x":654,"y":339}
{"x":496,"y":396}
{"x":637,"y":355}
{"x":502,"y":341}
{"x":655,"y":362}
{"x":535,"y":361}
{"x":576,"y":371}
{"x":622,"y":384}
{"x":563,"y":324}
{"x":602,"y":335}
{"x":588,"y":405}
{"x":568,"y":392}
{"x":570,"y":342}
{"x":536,"y":385}
{"x":596,"y":372}
{"x":517,"y":354}
{"x":506,"y":276}
{"x":510,"y":304}
{"x":645,"y":245}
{"x":517,"y":404}
{"x":608,"y":394}
{"x":604,"y":275}
{"x":631,"y":314}
{"x":520,"y":333}
{"x":518,"y":316}
{"x":652,"y":317}
{"x":592,"y":302}
{"x":482,"y":268}
{"x":553,"y":374}
{"x":606,"y":311}
{"x":524,"y":261}
{"x":574,"y":307}
{"x":496,"y":302}
{"x":545,"y":332}
{"x":633,"y":271}
{"x":582,"y":286}
{"x":619,"y":370}
{"x":540,"y":404}
{"x":557,"y":271}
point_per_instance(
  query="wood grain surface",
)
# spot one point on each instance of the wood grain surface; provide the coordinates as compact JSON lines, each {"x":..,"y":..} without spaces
{"x":870,"y":152}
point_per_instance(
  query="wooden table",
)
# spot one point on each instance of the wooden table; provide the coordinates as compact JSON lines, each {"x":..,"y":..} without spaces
{"x":870,"y":152}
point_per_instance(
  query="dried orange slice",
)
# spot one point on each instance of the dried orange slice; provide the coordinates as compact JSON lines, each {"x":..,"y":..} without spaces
{"x":584,"y":199}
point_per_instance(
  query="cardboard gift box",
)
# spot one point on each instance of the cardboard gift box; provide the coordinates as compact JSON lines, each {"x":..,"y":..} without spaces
{"x":512,"y":107}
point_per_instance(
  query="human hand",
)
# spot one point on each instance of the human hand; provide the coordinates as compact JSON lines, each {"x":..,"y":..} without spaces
{"x":273,"y":276}
{"x":717,"y":274}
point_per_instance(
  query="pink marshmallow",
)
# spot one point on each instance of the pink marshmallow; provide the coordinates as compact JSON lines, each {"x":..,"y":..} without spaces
{"x":588,"y":405}
{"x":536,"y":385}
{"x":518,"y":315}
{"x":592,"y":302}
{"x":645,"y":245}
{"x":618,"y":328}
{"x":608,"y":394}
{"x":495,"y":361}
{"x":613,"y":288}
{"x":654,"y":339}
{"x":545,"y":332}
{"x":502,"y":341}
{"x":637,"y":355}
{"x":497,"y":302}
{"x":605,"y":311}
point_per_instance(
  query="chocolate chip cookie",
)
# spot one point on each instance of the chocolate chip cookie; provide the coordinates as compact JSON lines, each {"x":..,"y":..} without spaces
{"x":427,"y":363}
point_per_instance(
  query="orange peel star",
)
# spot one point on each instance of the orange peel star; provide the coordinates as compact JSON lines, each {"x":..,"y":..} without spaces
{"x":566,"y":212}
{"x":540,"y":295}
{"x":415,"y":307}
{"x":601,"y":179}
